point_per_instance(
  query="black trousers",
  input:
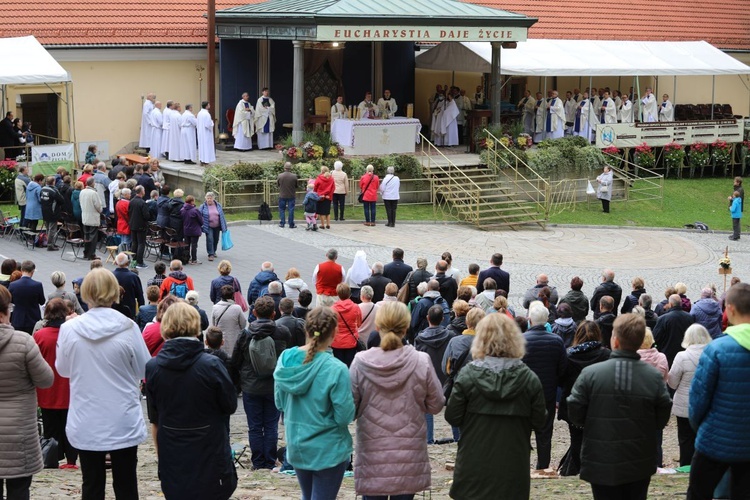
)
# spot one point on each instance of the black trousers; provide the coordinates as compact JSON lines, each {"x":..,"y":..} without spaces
{"x":54,"y":427}
{"x":16,"y":489}
{"x":544,"y":438}
{"x":736,"y":228}
{"x":91,"y":236}
{"x":124,"y":477}
{"x":138,"y":245}
{"x":22,"y":221}
{"x":605,"y":206}
{"x":686,"y":439}
{"x":705,"y":474}
{"x":339,"y":202}
{"x":390,"y":211}
{"x":346,"y":356}
{"x":637,"y":490}
{"x":571,"y":465}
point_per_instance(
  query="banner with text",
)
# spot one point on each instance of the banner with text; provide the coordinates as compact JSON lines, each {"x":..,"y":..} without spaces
{"x":423,"y":34}
{"x":46,"y":159}
{"x":629,"y":135}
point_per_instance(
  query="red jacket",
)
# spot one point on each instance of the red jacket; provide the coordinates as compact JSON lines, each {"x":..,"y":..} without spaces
{"x":175,"y":277}
{"x":324,"y":186}
{"x":152,"y":337}
{"x":121,"y":210}
{"x":368,"y":184}
{"x":56,"y":397}
{"x":349,"y":317}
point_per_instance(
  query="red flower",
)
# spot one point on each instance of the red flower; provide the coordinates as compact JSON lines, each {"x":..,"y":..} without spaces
{"x":643,"y":148}
{"x":673,"y":146}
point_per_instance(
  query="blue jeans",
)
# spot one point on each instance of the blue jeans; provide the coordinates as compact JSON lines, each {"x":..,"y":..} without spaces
{"x":286,"y":204}
{"x":369,"y":210}
{"x":321,"y":484}
{"x":429,"y":417}
{"x":262,"y":429}
{"x":213,"y":236}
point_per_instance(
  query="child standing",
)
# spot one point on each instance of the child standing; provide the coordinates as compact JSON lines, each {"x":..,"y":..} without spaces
{"x":311,"y":207}
{"x":214,"y":341}
{"x":735,"y":208}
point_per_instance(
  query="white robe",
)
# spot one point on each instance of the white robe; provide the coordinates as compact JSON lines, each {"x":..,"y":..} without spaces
{"x":243,"y":126}
{"x":446,"y":127}
{"x":597,"y":108}
{"x":155,"y":121}
{"x":188,"y":139}
{"x":618,"y":106}
{"x":338,"y":111}
{"x":265,"y":115}
{"x":582,"y":120}
{"x":145,"y":140}
{"x":626,"y":112}
{"x":206,"y":143}
{"x":650,"y":112}
{"x":571,"y":105}
{"x":387,"y":108}
{"x":610,"y":113}
{"x":368,"y":110}
{"x":556,"y":110}
{"x":175,"y":136}
{"x":594,"y":106}
{"x":541,"y":107}
{"x":165,"y":124}
{"x":666,"y":111}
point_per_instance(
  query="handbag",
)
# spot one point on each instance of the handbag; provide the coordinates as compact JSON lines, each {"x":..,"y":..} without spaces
{"x":361,"y":197}
{"x":448,"y":384}
{"x":50,"y":450}
{"x":403,"y":292}
{"x":239,"y":299}
{"x":226,"y":240}
{"x":361,"y":346}
{"x":603,"y":189}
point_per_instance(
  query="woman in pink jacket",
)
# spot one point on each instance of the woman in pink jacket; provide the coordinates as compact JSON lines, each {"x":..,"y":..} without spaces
{"x":394,"y":386}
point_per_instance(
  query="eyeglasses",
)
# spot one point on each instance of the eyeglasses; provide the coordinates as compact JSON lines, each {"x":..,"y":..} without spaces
{"x":10,"y":308}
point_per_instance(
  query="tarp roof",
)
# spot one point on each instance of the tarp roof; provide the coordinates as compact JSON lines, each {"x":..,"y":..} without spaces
{"x":536,"y":57}
{"x":24,"y":61}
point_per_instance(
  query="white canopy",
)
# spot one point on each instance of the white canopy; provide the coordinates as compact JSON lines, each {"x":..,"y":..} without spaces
{"x":23,"y":60}
{"x":536,"y":57}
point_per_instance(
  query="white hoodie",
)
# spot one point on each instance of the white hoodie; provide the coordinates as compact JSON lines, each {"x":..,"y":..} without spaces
{"x":104,"y":355}
{"x":292,"y":287}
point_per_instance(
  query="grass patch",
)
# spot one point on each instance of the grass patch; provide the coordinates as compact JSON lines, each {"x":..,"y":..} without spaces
{"x":404,"y":213}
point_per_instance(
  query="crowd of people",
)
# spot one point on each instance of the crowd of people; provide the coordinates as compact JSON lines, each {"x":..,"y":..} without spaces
{"x":15,"y":136}
{"x":387,"y":346}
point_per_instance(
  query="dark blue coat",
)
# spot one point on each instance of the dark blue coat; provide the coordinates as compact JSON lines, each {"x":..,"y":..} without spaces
{"x":546,"y":356}
{"x":195,"y":458}
{"x":397,"y":271}
{"x":501,"y":277}
{"x":133,"y":288}
{"x":27,"y":295}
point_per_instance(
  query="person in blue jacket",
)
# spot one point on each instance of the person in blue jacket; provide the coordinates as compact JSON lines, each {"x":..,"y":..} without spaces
{"x":33,"y":203}
{"x":719,"y":405}
{"x":313,"y":390}
{"x":735,"y":208}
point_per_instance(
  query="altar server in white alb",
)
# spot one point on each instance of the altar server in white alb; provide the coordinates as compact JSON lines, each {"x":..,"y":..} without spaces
{"x":206,"y":144}
{"x":444,"y":122}
{"x":626,"y":110}
{"x":338,"y":110}
{"x":188,"y":140}
{"x":155,"y":120}
{"x":175,"y":133}
{"x":368,"y":110}
{"x":265,"y":119}
{"x":387,"y":105}
{"x":608,"y":109}
{"x":666,"y":111}
{"x":571,"y":105}
{"x":650,"y":108}
{"x":555,"y":117}
{"x":148,"y":105}
{"x":243,"y":126}
{"x":165,"y":124}
{"x":581,"y":126}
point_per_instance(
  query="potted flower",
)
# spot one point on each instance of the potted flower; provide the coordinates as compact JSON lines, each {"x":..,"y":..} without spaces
{"x":644,"y":157}
{"x":698,"y":157}
{"x":721,"y":153}
{"x":524,"y":141}
{"x":725,"y":265}
{"x":674,"y":156}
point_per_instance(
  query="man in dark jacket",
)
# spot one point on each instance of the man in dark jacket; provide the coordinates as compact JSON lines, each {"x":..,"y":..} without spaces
{"x":257,"y":392}
{"x":545,"y":356}
{"x":670,"y":328}
{"x":501,"y":277}
{"x":448,"y":285}
{"x":419,"y":314}
{"x":7,"y":134}
{"x":377,"y":281}
{"x":608,"y":287}
{"x":139,"y":216}
{"x":577,"y":300}
{"x":296,"y":326}
{"x":287,"y":182}
{"x":532,"y":293}
{"x":397,"y":270}
{"x":28,"y":295}
{"x":606,"y":319}
{"x":52,"y":204}
{"x":645,"y":302}
{"x":259,"y":286}
{"x":131,"y":282}
{"x":621,"y":403}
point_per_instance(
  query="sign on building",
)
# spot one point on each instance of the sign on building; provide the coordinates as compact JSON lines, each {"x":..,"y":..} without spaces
{"x":655,"y":134}
{"x":421,"y":33}
{"x":46,"y":159}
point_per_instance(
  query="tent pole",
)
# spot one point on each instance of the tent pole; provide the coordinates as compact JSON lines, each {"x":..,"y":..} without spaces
{"x":638,"y":94}
{"x":588,"y":118}
{"x":713,"y":95}
{"x":72,"y":128}
{"x":674,"y":92}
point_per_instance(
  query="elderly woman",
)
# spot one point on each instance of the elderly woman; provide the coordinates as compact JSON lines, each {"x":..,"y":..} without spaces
{"x":214,"y":223}
{"x":368,"y":187}
{"x":229,"y":318}
{"x":225,"y":278}
{"x":192,"y":298}
{"x":707,"y":312}
{"x":294,"y":284}
{"x":24,"y":369}
{"x":191,"y":427}
{"x":389,"y":190}
{"x":325,"y":186}
{"x":58,"y":281}
{"x":341,"y":183}
{"x":680,"y":377}
{"x":420,"y":274}
{"x":604,"y":192}
{"x":33,"y":203}
{"x":103,"y":354}
{"x":192,"y":226}
{"x":496,"y":402}
{"x":394,"y":386}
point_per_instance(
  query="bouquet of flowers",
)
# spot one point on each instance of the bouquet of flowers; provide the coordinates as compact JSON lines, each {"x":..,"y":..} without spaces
{"x":644,"y":156}
{"x":292,"y":153}
{"x":721,"y":152}
{"x":313,"y":151}
{"x":334,"y":151}
{"x":524,"y":141}
{"x":725,"y":263}
{"x":674,"y":155}
{"x":698,"y":156}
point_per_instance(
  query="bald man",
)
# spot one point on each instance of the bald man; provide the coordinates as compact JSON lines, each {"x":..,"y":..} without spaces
{"x":532,"y":293}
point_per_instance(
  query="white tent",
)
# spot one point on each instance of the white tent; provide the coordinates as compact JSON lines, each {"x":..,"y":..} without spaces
{"x":24,"y":61}
{"x":536,"y":57}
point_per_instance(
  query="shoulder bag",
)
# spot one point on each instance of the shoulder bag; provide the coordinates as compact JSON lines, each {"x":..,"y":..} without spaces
{"x":239,"y":299}
{"x":361,"y":197}
{"x":448,"y":385}
{"x":403,"y":292}
{"x":361,"y":346}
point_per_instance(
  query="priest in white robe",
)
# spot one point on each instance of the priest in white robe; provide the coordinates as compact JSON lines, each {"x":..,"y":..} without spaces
{"x":205,"y":130}
{"x":155,"y":122}
{"x":368,"y":110}
{"x":338,"y":110}
{"x":596,"y":106}
{"x":175,"y":133}
{"x":571,"y":105}
{"x":650,"y":108}
{"x":526,"y":107}
{"x":243,"y":126}
{"x":555,"y":120}
{"x":581,"y":124}
{"x":626,"y":111}
{"x":265,"y":119}
{"x":608,"y":110}
{"x":666,"y":111}
{"x":540,"y":110}
{"x":188,"y":138}
{"x":617,"y":97}
{"x":437,"y":114}
{"x":148,"y":105}
{"x":165,"y":123}
{"x":447,"y":126}
{"x":387,"y":105}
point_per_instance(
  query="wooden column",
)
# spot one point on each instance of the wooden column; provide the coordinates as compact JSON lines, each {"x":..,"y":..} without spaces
{"x":495,"y":84}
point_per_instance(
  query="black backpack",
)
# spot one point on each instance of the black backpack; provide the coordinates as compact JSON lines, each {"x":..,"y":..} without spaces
{"x":264,"y":212}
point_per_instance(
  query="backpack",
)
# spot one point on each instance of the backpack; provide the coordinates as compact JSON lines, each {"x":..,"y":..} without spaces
{"x":262,"y":355}
{"x":178,"y":289}
{"x":446,"y":313}
{"x":41,"y":240}
{"x":264,"y":212}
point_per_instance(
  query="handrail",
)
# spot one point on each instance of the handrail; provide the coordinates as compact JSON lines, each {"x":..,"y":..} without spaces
{"x":450,"y":163}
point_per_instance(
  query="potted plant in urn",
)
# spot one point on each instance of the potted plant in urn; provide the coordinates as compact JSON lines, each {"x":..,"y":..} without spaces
{"x":721,"y":154}
{"x":698,"y":157}
{"x":674,"y":157}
